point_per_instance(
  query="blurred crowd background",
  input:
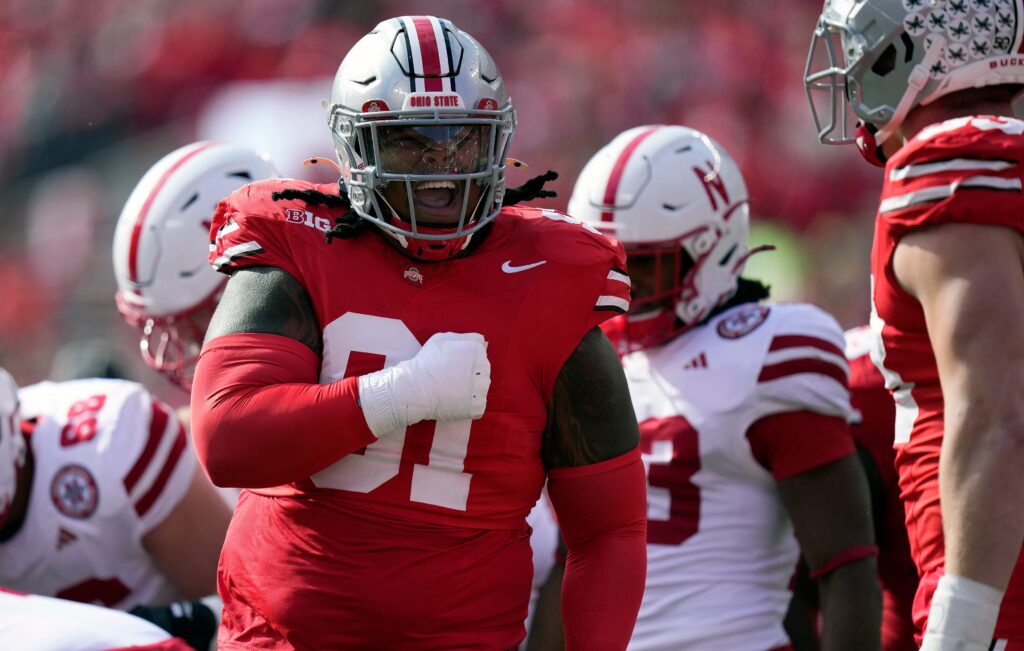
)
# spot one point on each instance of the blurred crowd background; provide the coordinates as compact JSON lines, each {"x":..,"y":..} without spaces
{"x":93,"y":92}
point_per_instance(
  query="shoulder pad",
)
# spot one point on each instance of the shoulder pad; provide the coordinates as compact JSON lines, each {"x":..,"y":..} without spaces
{"x":565,"y":239}
{"x":963,"y":170}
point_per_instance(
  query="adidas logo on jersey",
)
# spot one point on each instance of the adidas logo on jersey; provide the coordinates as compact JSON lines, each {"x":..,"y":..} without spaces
{"x":65,"y":538}
{"x":700,"y":361}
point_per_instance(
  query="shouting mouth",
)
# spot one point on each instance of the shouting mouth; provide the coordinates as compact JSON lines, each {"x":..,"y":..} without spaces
{"x":441,"y":200}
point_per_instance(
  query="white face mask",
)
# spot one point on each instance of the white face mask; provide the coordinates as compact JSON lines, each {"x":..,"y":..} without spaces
{"x":12,"y":444}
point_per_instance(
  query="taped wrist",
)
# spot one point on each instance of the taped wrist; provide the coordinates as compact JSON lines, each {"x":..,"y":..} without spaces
{"x":962,"y":616}
{"x":376,"y":397}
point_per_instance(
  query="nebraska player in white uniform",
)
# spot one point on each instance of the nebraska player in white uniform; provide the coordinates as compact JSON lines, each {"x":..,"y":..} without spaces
{"x":742,"y":409}
{"x":109,"y":506}
{"x":34,"y":623}
{"x":933,"y":84}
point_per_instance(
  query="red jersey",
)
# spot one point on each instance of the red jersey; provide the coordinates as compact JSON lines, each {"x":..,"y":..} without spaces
{"x":418,"y":541}
{"x":872,"y":429}
{"x":963,"y":170}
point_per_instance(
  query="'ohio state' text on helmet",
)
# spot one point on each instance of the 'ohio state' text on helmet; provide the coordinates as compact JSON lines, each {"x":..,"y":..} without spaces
{"x":425,"y":74}
{"x":165,"y":286}
{"x":672,"y":193}
{"x":881,"y":58}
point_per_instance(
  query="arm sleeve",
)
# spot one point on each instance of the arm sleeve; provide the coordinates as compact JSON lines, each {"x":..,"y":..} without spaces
{"x":159,"y":476}
{"x":259,"y":417}
{"x":601,"y":509}
{"x":966,"y":171}
{"x":793,"y":442}
{"x":805,"y":367}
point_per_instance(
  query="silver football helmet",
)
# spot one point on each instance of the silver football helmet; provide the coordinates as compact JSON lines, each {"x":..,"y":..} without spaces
{"x":881,"y":58}
{"x":419,"y":102}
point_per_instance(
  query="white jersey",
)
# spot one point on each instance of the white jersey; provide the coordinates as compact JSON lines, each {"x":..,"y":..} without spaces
{"x":111,"y":463}
{"x":35,"y":623}
{"x":721,"y":549}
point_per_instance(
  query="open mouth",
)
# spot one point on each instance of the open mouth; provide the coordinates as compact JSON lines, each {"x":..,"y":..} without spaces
{"x":439,"y":197}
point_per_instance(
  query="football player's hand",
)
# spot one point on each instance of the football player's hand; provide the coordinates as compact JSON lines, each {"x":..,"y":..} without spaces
{"x":447,"y":380}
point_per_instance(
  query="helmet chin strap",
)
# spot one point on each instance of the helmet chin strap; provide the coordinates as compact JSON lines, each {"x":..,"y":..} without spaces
{"x":919,"y":77}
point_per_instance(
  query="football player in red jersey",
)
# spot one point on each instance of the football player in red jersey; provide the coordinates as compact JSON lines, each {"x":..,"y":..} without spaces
{"x":932,"y":84}
{"x":393,"y":395}
{"x":743,"y":410}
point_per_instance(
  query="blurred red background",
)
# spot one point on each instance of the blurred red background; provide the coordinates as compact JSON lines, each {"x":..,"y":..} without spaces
{"x":95,"y":92}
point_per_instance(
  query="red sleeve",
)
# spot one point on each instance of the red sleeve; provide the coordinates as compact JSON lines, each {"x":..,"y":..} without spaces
{"x":967,"y":170}
{"x":796,"y":441}
{"x":602,"y":512}
{"x":260,"y":419}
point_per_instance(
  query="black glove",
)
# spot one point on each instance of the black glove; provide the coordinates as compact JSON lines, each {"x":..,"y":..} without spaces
{"x":192,"y":621}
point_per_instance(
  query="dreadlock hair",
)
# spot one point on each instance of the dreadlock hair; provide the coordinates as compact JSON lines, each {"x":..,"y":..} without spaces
{"x":350,"y":224}
{"x":532,"y":189}
{"x":747,"y":291}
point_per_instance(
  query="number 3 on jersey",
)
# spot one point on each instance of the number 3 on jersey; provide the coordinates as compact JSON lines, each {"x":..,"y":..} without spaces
{"x":671,"y":453}
{"x":442,"y":481}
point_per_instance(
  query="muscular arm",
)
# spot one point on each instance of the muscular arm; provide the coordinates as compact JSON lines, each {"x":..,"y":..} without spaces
{"x":186,"y":545}
{"x":260,"y":418}
{"x":266,"y":300}
{"x":591,"y":416}
{"x":598,"y":490}
{"x":969,"y":281}
{"x":830,"y":507}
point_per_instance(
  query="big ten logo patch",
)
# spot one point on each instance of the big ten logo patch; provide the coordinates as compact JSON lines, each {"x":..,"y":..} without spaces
{"x":306,"y":218}
{"x":83,"y":421}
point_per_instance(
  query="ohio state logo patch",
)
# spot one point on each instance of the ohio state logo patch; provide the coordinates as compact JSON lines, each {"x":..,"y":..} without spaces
{"x":744,"y":321}
{"x":74,"y":492}
{"x":413,"y":276}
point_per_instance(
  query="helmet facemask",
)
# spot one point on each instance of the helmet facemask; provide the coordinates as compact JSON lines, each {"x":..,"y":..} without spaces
{"x":171,"y":344}
{"x":401,"y":164}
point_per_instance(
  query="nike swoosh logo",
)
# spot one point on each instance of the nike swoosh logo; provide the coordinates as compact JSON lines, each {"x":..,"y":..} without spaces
{"x":509,"y":269}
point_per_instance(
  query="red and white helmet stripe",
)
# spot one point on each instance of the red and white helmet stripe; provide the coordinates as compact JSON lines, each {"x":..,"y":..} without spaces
{"x":430,"y":55}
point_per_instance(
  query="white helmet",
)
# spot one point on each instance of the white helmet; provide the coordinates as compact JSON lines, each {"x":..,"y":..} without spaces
{"x":421,"y":74}
{"x":672,"y":193}
{"x":12,"y":443}
{"x":882,"y":58}
{"x":166,"y":287}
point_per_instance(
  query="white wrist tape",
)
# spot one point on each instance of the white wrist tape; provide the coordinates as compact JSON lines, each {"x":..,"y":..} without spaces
{"x":963,"y":615}
{"x":446,"y":380}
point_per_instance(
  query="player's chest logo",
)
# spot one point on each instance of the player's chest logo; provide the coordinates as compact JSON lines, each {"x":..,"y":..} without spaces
{"x":413,"y":276}
{"x":74,"y":492}
{"x":744,"y":321}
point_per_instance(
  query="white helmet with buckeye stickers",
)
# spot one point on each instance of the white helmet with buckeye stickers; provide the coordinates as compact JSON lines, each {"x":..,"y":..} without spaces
{"x":12,"y":443}
{"x":418,"y":105}
{"x":165,"y":286}
{"x":882,"y":58}
{"x":678,"y":203}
